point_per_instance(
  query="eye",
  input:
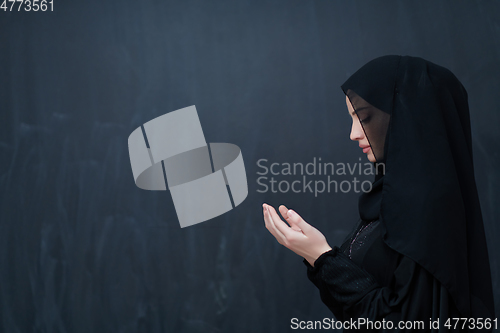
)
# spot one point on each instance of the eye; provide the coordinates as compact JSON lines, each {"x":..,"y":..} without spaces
{"x":364,"y":120}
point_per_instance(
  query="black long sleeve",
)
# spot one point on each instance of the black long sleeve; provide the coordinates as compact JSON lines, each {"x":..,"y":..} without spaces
{"x":339,"y":280}
{"x":410,"y":293}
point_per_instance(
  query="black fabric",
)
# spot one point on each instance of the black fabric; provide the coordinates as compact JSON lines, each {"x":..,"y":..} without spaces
{"x":378,"y":284}
{"x":427,"y":257}
{"x":369,"y":202}
{"x":429,"y":207}
{"x":349,"y":284}
{"x":356,"y":249}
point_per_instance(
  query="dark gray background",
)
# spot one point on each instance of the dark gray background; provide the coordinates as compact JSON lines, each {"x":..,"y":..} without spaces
{"x":84,"y":250}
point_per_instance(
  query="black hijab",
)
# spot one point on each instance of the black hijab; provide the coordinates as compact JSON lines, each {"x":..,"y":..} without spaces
{"x":415,"y":115}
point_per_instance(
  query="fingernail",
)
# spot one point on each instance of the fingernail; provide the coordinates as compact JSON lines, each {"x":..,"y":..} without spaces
{"x":290,"y":212}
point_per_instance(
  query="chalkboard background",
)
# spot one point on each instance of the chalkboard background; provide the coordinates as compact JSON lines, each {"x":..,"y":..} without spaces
{"x":84,"y":250}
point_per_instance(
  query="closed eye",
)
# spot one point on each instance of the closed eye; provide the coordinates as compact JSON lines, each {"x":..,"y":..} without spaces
{"x":365,"y":120}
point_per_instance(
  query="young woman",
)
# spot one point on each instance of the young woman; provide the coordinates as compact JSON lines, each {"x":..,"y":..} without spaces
{"x":419,"y":252}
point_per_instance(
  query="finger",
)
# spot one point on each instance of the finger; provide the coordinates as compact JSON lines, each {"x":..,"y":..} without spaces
{"x":284,"y":213}
{"x":279,"y":223}
{"x":297,"y":220}
{"x":271,"y":226}
{"x":267,"y":221}
{"x":283,"y":210}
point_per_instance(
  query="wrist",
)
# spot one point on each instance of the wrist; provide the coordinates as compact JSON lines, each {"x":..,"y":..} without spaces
{"x":313,"y":259}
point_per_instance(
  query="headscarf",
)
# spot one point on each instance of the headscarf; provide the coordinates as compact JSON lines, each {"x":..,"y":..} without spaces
{"x":416,"y":118}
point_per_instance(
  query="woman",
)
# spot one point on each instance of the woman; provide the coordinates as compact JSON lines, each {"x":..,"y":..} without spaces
{"x":418,"y":254}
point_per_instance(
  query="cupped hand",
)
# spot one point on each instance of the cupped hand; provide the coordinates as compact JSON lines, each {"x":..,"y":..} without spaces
{"x":300,"y":237}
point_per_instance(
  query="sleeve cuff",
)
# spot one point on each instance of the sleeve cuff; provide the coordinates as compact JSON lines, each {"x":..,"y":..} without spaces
{"x":339,"y":278}
{"x":320,"y":260}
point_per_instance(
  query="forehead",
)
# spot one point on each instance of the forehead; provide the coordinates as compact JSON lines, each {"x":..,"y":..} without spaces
{"x":349,"y":105}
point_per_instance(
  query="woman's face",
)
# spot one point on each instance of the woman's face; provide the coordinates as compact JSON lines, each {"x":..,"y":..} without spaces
{"x":357,"y":133}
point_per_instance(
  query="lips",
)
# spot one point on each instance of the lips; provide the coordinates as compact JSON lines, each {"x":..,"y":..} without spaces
{"x":366,"y":148}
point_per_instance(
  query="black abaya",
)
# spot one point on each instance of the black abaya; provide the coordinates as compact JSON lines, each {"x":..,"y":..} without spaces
{"x":425,"y":258}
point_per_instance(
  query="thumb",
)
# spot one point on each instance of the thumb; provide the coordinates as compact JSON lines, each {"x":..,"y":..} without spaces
{"x":298,"y":221}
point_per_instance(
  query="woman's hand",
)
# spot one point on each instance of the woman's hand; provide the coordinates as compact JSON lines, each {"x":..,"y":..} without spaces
{"x":300,"y":237}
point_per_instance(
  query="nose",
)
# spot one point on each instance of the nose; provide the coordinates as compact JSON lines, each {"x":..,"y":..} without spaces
{"x":357,"y":133}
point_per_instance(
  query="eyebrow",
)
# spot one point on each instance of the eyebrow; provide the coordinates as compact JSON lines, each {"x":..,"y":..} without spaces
{"x":361,"y":108}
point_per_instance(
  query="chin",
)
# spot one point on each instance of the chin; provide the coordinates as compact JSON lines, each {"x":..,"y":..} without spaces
{"x":371,"y":158}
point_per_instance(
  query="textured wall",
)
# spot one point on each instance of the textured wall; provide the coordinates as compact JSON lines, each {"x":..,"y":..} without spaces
{"x":82,"y":249}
